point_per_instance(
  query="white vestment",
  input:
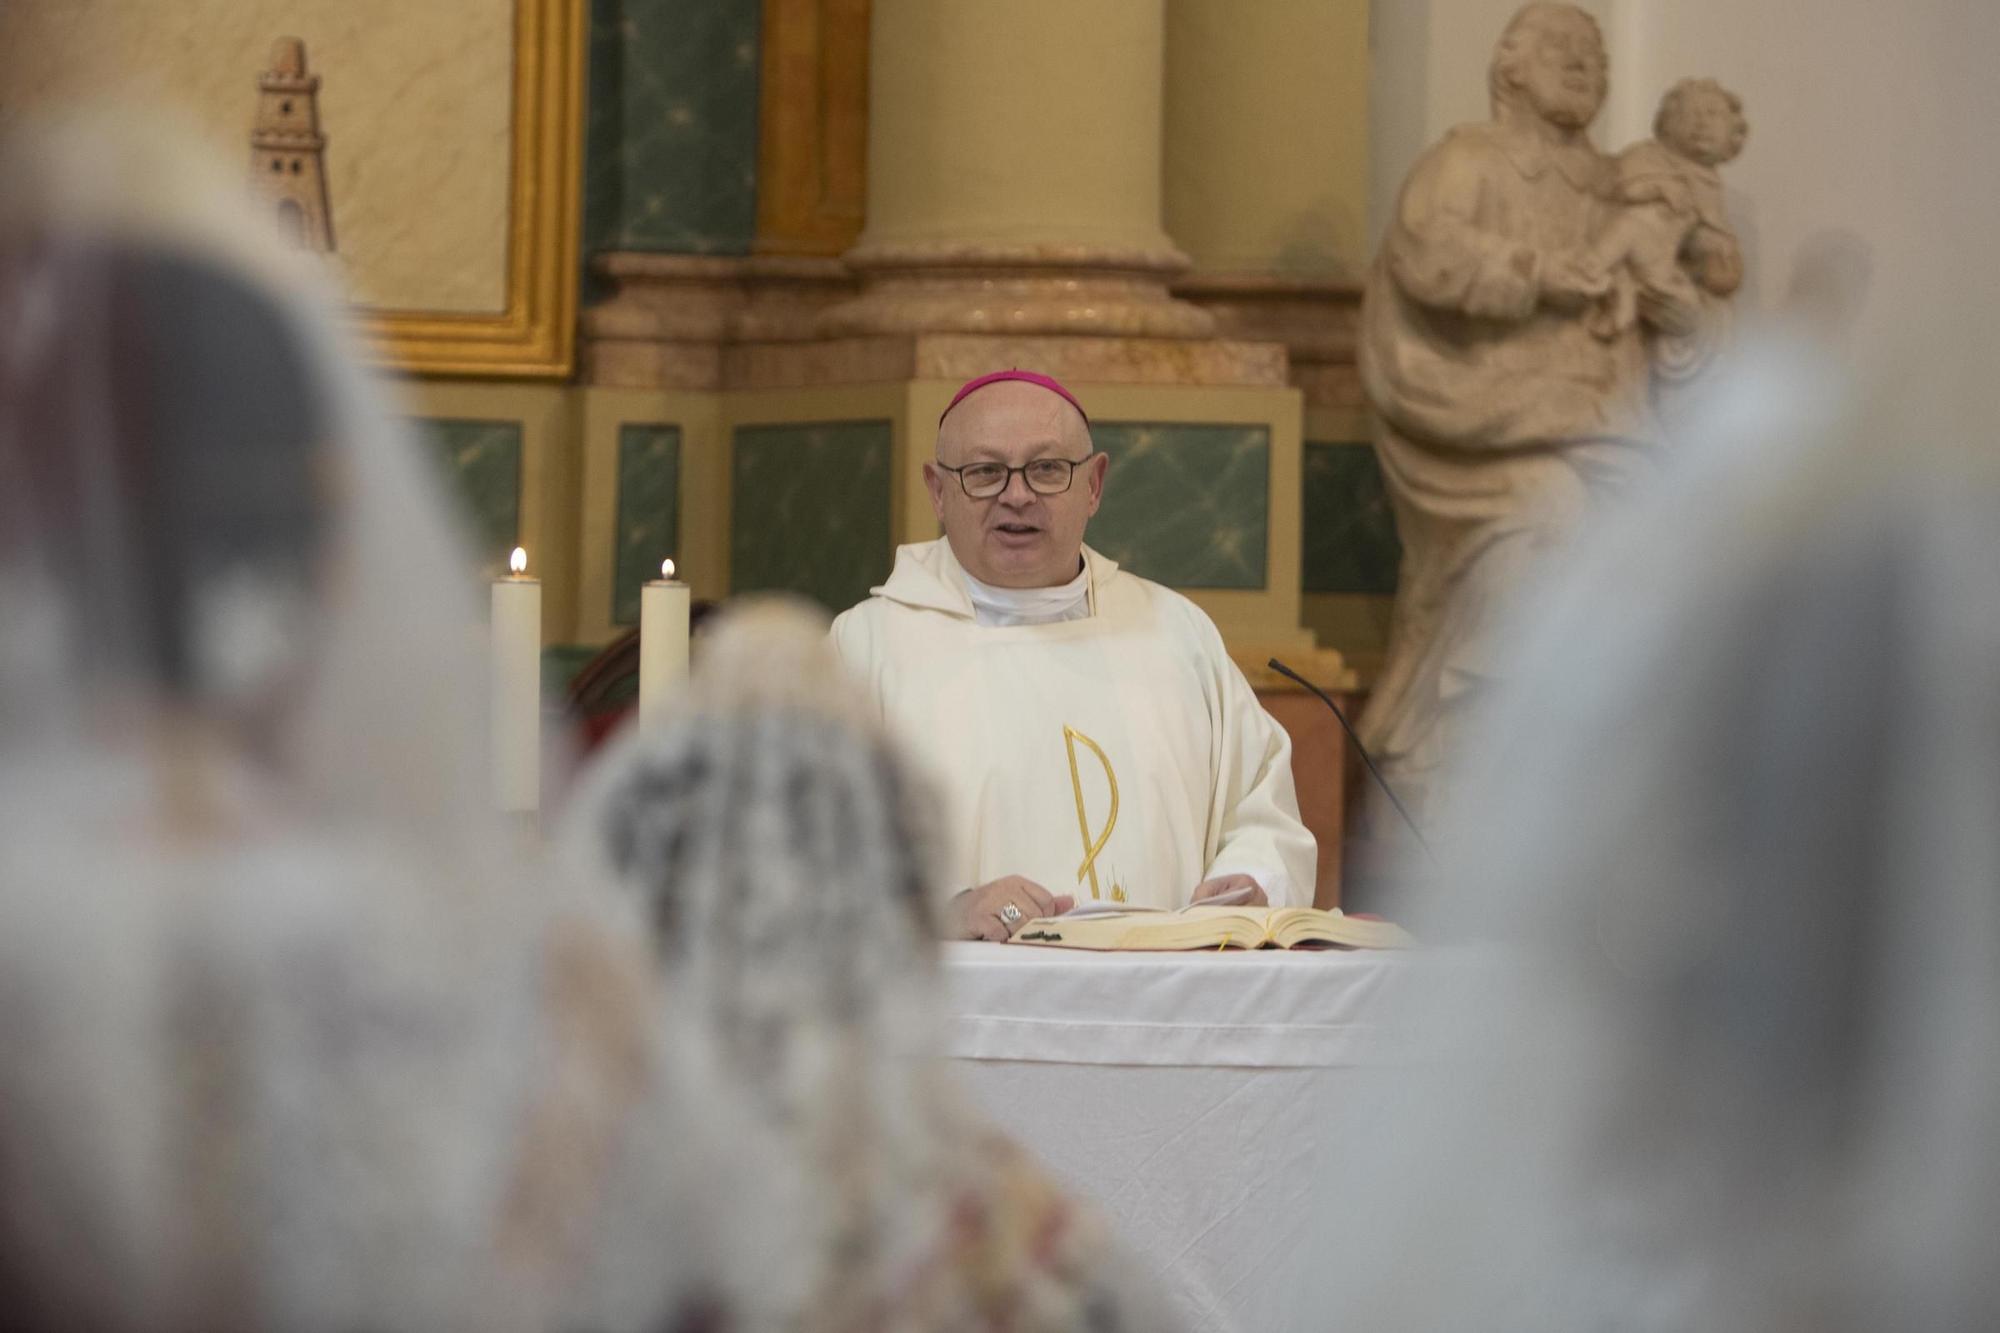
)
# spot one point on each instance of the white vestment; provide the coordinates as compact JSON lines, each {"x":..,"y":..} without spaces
{"x":1009,"y":720}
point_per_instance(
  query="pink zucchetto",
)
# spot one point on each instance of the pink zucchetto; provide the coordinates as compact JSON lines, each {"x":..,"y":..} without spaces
{"x":973,"y":386}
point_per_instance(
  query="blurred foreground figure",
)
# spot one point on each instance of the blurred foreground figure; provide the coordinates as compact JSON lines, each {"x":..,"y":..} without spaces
{"x":1738,"y":1066}
{"x":789,"y":866}
{"x":287,"y":1040}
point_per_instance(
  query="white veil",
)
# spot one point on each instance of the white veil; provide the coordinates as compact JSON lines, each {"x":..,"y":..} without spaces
{"x":787,"y":859}
{"x":1737,"y":1064}
{"x":294,"y":1036}
{"x":387,"y":640}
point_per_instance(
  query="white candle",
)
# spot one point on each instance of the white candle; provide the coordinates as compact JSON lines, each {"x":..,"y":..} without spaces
{"x":517,"y":688}
{"x":663,"y":640}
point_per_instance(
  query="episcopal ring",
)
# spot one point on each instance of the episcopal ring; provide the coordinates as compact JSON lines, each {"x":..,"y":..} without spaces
{"x":1011,"y":915}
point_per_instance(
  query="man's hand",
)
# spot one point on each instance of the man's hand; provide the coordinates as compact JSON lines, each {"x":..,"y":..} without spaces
{"x":1223,"y":885}
{"x":981,"y":913}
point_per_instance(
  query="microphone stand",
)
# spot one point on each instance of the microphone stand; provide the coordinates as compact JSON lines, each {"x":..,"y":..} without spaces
{"x":1359,"y":749}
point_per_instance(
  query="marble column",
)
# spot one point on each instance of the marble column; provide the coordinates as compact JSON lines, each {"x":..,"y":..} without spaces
{"x":1266,"y":175}
{"x":1014,"y":173}
{"x":1266,"y":143}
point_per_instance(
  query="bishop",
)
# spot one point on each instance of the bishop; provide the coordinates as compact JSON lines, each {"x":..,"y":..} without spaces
{"x":1091,"y":735}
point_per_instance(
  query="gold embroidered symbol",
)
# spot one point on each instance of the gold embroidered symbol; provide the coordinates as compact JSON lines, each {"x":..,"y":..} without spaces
{"x":1092,"y":845}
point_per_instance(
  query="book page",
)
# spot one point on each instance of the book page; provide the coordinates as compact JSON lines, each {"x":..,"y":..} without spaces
{"x":1104,"y":907}
{"x":1120,"y":928}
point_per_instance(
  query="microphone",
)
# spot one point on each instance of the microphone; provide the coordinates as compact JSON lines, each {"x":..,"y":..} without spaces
{"x":1359,"y":749}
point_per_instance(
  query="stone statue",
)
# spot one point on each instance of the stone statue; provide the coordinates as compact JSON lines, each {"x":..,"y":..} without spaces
{"x":1673,"y":231}
{"x":1512,"y":394}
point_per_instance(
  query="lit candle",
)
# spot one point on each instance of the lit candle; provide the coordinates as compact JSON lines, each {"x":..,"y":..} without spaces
{"x":663,"y":640}
{"x":517,"y":687}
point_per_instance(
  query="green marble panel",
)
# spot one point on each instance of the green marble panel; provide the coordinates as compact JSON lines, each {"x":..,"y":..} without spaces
{"x":1350,"y":532}
{"x":671,"y":154}
{"x":649,"y":506}
{"x":481,"y":463}
{"x":1185,"y":505}
{"x":809,"y":510}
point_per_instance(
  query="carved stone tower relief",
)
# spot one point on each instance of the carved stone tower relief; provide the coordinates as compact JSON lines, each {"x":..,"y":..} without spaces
{"x":287,"y":150}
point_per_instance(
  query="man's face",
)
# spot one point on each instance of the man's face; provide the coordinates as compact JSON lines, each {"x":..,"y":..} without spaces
{"x":1564,"y":76}
{"x":1016,"y":539}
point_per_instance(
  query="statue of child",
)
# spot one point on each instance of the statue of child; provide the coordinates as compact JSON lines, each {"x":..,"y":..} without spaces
{"x":1673,"y":234}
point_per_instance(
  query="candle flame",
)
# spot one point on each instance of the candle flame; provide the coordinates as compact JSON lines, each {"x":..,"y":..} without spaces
{"x":518,"y":562}
{"x":666,"y":569}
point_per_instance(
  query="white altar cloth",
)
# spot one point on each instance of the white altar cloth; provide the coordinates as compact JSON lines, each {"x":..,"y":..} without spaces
{"x":1191,"y":1095}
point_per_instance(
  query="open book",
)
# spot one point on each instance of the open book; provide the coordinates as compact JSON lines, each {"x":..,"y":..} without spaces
{"x":1206,"y":927}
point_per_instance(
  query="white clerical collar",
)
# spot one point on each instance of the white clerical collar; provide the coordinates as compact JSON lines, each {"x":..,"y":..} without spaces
{"x":993,"y":606}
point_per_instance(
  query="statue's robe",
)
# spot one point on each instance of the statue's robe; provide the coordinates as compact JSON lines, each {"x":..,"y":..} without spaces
{"x":1500,"y":419}
{"x":1203,"y":774}
{"x":1713,"y":260}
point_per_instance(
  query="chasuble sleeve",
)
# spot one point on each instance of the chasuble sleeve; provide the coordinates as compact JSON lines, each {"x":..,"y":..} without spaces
{"x":857,"y":643}
{"x":1254,"y":813}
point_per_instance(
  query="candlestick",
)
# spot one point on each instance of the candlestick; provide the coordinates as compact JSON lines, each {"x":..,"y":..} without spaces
{"x":517,"y":688}
{"x":663,"y":640}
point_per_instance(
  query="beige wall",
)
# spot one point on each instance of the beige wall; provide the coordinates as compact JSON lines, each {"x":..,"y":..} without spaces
{"x":1266,"y":167}
{"x":415,"y":104}
{"x":1870,"y":126}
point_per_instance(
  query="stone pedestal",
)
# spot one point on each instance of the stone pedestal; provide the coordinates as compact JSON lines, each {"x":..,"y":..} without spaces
{"x":721,"y":323}
{"x":671,"y":320}
{"x":1048,"y":289}
{"x":1315,"y":319}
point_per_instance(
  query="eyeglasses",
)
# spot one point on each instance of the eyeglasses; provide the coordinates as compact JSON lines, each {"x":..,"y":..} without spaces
{"x":1045,"y":476}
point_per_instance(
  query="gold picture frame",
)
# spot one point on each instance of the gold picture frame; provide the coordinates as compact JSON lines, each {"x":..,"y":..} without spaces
{"x":534,"y":336}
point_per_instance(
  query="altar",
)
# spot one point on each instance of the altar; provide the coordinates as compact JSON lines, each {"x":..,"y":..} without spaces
{"x":1191,"y":1096}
